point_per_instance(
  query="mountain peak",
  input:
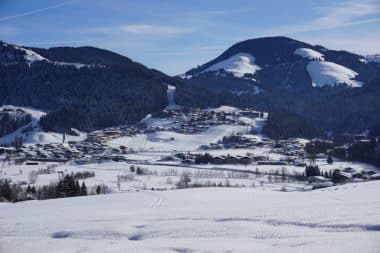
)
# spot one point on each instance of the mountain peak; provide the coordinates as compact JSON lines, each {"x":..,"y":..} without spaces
{"x":286,"y":62}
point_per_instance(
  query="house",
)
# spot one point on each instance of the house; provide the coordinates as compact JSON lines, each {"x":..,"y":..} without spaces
{"x":218,"y":160}
{"x":272,"y":163}
{"x":245,"y":160}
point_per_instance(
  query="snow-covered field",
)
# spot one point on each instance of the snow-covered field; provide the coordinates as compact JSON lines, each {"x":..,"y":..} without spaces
{"x":338,"y":219}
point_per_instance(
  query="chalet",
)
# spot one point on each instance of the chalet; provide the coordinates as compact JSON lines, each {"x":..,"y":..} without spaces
{"x":219,"y":160}
{"x":231,"y":160}
{"x":245,"y":160}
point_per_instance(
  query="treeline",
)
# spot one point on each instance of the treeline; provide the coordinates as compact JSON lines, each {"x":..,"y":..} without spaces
{"x":283,"y":125}
{"x":67,"y":186}
{"x":367,"y":152}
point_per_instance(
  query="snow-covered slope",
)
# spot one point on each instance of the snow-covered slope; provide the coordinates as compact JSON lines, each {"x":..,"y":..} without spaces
{"x":329,"y":73}
{"x":169,"y":141}
{"x":340,"y":219}
{"x":33,"y":134}
{"x":324,"y":72}
{"x":308,"y":53}
{"x":238,"y":65}
{"x":31,"y":56}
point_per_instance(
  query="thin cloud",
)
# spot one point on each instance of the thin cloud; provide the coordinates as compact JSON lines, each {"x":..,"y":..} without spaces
{"x":343,"y":15}
{"x":135,"y":29}
{"x":54,"y":42}
{"x":35,"y":11}
{"x":145,"y":29}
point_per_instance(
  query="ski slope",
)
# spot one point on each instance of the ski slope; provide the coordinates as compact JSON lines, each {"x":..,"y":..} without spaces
{"x":338,"y":219}
{"x":238,"y":65}
{"x":328,"y":73}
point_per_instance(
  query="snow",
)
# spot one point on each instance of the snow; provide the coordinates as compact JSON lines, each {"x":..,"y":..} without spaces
{"x":308,"y":53}
{"x":328,"y":73}
{"x":336,"y":219}
{"x":170,"y":94}
{"x":184,"y":76}
{"x":238,"y":65}
{"x":36,"y":135}
{"x":373,"y":58}
{"x":226,"y":109}
{"x":169,"y":141}
{"x":77,"y":65}
{"x":31,"y":56}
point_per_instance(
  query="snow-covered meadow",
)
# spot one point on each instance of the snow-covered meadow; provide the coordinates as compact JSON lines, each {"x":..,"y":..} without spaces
{"x":339,"y":219}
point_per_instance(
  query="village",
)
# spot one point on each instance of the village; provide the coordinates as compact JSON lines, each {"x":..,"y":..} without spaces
{"x":242,"y":149}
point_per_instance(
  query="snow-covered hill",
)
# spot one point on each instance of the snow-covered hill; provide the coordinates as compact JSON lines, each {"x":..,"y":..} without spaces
{"x":32,"y":133}
{"x":278,"y":61}
{"x":31,"y":57}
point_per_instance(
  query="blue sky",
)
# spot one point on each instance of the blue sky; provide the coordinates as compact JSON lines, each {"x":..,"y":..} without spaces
{"x":174,"y":35}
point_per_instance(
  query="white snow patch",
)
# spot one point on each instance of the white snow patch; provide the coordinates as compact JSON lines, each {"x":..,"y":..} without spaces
{"x":77,"y":65}
{"x":226,"y":109}
{"x":238,"y":65}
{"x":31,"y":56}
{"x":184,"y":76}
{"x":309,"y":53}
{"x":170,"y":94}
{"x":328,"y":73}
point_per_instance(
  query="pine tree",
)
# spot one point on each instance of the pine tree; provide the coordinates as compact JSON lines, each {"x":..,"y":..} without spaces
{"x":330,"y":159}
{"x":98,"y":189}
{"x":83,"y":189}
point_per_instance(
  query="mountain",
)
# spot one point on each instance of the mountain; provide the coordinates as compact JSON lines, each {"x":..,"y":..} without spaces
{"x":87,"y":88}
{"x":284,"y":63}
{"x":329,"y":89}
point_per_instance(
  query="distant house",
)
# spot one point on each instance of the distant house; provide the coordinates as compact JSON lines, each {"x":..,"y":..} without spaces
{"x":245,"y":160}
{"x":218,"y":160}
{"x":272,"y":163}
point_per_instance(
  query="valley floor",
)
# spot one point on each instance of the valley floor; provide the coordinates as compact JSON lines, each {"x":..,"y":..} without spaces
{"x":343,"y":218}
